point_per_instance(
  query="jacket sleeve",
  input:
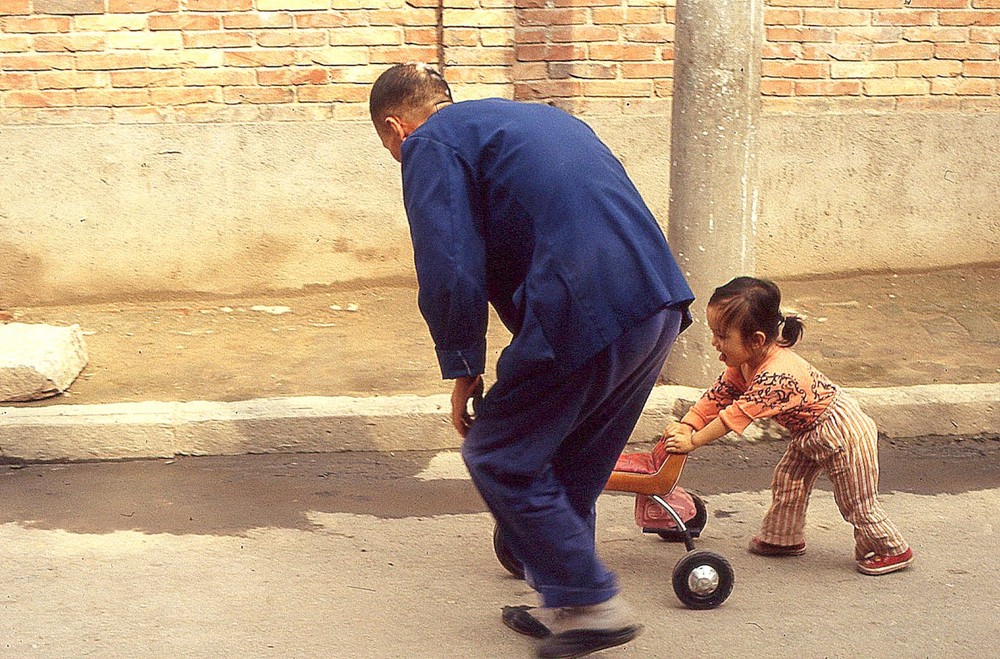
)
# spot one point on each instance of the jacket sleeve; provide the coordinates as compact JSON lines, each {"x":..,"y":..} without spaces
{"x":722,"y":394}
{"x":448,"y":252}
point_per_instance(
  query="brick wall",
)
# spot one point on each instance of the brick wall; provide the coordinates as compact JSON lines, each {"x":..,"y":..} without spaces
{"x":882,"y":55}
{"x":159,"y":61}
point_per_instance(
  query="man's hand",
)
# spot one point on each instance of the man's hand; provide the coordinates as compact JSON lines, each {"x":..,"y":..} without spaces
{"x":679,"y":438}
{"x":466,"y":389}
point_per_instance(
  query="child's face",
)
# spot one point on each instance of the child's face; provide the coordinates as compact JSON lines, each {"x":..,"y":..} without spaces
{"x":733,"y":351}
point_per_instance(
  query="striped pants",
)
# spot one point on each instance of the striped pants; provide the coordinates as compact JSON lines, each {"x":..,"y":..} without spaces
{"x":844,"y":445}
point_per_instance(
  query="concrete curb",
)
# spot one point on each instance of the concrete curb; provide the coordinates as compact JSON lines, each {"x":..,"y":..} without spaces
{"x":396,"y":423}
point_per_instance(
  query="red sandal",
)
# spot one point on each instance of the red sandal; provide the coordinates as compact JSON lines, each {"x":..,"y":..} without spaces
{"x":875,"y":565}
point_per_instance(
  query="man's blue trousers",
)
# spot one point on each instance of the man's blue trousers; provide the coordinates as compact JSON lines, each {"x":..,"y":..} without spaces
{"x":544,"y":444}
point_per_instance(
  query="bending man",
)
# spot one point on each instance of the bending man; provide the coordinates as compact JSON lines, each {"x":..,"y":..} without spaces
{"x":521,"y":206}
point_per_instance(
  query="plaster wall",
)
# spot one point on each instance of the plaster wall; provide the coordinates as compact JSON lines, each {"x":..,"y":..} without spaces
{"x":136,"y":211}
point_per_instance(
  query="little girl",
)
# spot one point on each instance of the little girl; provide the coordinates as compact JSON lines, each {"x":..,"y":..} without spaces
{"x":830,"y":433}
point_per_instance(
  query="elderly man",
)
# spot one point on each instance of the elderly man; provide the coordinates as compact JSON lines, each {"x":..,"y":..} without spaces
{"x":521,"y":206}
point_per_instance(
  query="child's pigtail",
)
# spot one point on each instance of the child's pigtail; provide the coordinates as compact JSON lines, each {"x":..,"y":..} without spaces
{"x":791,"y":331}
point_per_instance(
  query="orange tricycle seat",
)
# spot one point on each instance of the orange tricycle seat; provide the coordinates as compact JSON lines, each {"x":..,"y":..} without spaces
{"x":656,"y":472}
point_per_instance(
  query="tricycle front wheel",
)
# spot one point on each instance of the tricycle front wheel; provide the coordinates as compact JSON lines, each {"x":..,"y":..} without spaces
{"x":703,"y":579}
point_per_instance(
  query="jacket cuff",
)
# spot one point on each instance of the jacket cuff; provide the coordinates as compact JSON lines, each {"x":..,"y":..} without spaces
{"x":458,"y":363}
{"x":694,"y":420}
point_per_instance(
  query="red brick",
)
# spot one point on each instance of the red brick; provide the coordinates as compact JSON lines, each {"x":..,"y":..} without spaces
{"x":185,"y":95}
{"x":802,"y":35}
{"x":586,"y":3}
{"x":184,"y":22}
{"x":582,"y":34}
{"x":977,"y":18}
{"x":404,"y":54}
{"x":581,"y":70}
{"x":218,"y":5}
{"x":627,"y":15}
{"x":981,"y":69}
{"x":966,"y":51}
{"x":15,"y":7}
{"x":70,"y":43}
{"x":838,"y":52}
{"x":332,"y":93}
{"x":617,"y":88}
{"x":984,"y":35}
{"x":330,"y":19}
{"x":258,"y":20}
{"x":547,"y":89}
{"x":939,"y":4}
{"x":936,"y":34}
{"x":647,"y":69}
{"x":869,"y":35}
{"x":549,"y":53}
{"x":113,"y":97}
{"x":146,"y":78}
{"x":776,"y":87}
{"x":223,"y":39}
{"x":406,"y":17}
{"x":546,"y":17}
{"x":834,"y":17}
{"x":783,"y":17}
{"x":650,"y":33}
{"x":16,"y":81}
{"x":902,"y":51}
{"x":781,"y":51}
{"x":904,"y":17}
{"x":869,"y":4}
{"x":966,"y":87}
{"x":827,"y":88}
{"x":928,"y":68}
{"x":110,"y":61}
{"x":257,"y":95}
{"x":291,"y":38}
{"x":15,"y":43}
{"x":36,"y":24}
{"x":219,"y":77}
{"x":897,"y":87}
{"x":142,"y":6}
{"x":294,"y":76}
{"x":622,"y":53}
{"x":38,"y":99}
{"x":925,"y":103}
{"x":782,"y":69}
{"x":36,"y":62}
{"x":70,"y":80}
{"x":259,"y":58}
{"x":802,"y":3}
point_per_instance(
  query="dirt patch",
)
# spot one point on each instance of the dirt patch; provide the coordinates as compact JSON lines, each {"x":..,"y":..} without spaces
{"x":862,"y":331}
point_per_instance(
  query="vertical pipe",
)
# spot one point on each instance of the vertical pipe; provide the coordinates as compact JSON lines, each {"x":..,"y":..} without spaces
{"x":713,"y":151}
{"x":439,"y":26}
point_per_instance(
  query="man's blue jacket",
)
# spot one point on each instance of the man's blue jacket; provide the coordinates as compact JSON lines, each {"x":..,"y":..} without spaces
{"x":522,"y":206}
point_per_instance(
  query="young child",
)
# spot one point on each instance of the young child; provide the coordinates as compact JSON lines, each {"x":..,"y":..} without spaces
{"x":830,"y":433}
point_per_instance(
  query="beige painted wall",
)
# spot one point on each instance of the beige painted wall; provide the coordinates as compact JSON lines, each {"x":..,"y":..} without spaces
{"x":115,"y":211}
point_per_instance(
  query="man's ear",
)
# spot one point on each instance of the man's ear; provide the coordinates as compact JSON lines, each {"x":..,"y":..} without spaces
{"x":395,"y":127}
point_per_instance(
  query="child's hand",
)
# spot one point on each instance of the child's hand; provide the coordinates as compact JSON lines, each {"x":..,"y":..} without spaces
{"x":679,"y":438}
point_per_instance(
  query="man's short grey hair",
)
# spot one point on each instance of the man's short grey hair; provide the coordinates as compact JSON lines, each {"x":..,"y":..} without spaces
{"x":403,"y":88}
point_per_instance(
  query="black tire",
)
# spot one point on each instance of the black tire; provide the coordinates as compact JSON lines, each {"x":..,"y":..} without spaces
{"x":705,"y":564}
{"x":696,"y":524}
{"x":506,"y":558}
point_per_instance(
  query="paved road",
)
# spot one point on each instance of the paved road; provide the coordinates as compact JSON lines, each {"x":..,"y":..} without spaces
{"x":382,"y":555}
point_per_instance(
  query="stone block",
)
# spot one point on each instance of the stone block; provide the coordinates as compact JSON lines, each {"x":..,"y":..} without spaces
{"x":69,"y":7}
{"x":39,"y":361}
